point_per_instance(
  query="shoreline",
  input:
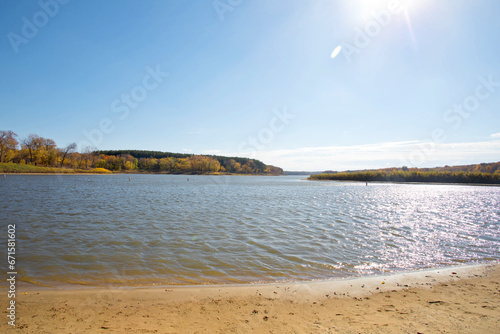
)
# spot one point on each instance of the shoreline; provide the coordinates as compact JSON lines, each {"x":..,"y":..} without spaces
{"x":407,"y":182}
{"x":457,"y":299}
{"x":32,"y":285}
{"x":139,"y":173}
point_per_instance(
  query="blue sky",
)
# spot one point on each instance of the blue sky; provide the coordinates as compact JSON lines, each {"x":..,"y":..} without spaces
{"x":415,"y":83}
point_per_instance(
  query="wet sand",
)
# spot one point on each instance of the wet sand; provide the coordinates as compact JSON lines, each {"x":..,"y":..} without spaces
{"x":452,"y":300}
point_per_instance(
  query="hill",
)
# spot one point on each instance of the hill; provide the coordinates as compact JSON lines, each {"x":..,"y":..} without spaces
{"x":168,"y":162}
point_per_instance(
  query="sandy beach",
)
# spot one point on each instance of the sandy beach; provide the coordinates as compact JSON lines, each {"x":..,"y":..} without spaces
{"x":451,"y":300}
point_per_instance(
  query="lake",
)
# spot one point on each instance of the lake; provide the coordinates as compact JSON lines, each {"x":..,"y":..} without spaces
{"x":196,"y":229}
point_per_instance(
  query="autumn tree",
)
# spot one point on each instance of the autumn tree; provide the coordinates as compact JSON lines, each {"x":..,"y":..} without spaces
{"x":8,"y":143}
{"x":166,"y":164}
{"x":52,"y":153}
{"x":18,"y":156}
{"x":89,"y":156}
{"x":94,"y":155}
{"x":232,"y":166}
{"x":46,"y":152}
{"x":67,"y":150}
{"x":32,"y":143}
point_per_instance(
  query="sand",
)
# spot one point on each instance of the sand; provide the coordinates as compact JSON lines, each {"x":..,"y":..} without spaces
{"x":452,"y":300}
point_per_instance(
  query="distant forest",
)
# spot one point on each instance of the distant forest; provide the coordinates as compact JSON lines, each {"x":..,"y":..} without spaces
{"x":37,"y":151}
{"x":155,"y":161}
{"x":485,"y":173}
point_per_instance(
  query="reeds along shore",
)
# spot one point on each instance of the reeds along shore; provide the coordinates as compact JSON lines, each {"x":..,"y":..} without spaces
{"x":412,"y":176}
{"x":455,"y":300}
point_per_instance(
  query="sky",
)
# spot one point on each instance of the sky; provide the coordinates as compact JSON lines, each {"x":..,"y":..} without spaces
{"x":303,"y":85}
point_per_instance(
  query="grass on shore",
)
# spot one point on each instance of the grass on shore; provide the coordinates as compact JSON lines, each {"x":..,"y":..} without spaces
{"x":13,"y":168}
{"x":10,"y":167}
{"x":411,"y":176}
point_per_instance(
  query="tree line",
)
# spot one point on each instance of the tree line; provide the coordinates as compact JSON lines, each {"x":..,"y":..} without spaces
{"x":182,"y":163}
{"x":38,"y":151}
{"x":175,"y":162}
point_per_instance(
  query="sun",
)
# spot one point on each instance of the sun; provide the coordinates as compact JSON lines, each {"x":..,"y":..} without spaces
{"x":365,"y":7}
{"x":374,"y":4}
{"x":383,"y":11}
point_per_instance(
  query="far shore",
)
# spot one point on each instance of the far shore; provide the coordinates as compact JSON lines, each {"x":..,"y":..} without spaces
{"x":462,"y":299}
{"x":407,"y":182}
{"x":141,"y":173}
{"x":28,"y":169}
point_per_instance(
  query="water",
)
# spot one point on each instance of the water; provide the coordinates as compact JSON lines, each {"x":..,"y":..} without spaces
{"x":164,"y":229}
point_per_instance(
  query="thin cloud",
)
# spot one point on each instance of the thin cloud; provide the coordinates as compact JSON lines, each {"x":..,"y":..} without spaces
{"x":495,"y":135}
{"x":212,"y":152}
{"x":200,"y":131}
{"x":196,"y":132}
